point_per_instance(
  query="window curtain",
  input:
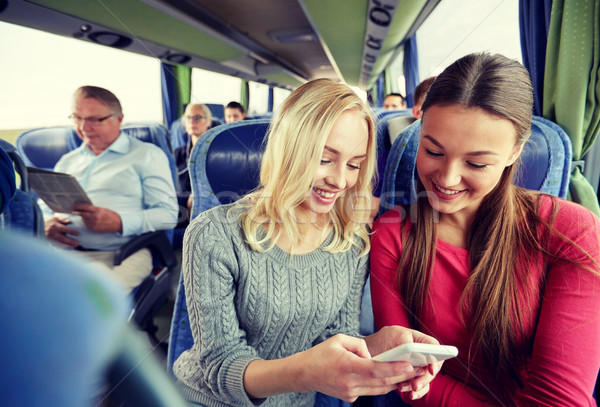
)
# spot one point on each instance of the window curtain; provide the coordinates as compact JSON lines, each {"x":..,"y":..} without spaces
{"x":245,"y":95}
{"x":176,"y":83}
{"x":572,"y":83}
{"x":411,"y":68}
{"x":534,"y":23}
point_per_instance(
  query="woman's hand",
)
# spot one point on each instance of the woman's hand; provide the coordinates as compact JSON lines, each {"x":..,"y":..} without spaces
{"x":341,"y":367}
{"x":391,"y":336}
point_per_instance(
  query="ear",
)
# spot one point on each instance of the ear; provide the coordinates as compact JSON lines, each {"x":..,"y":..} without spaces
{"x":416,"y":112}
{"x":120,"y":118}
{"x":516,"y":153}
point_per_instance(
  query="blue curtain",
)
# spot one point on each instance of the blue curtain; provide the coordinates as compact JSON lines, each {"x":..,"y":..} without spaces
{"x":411,"y":68}
{"x":534,"y":21}
{"x":270,"y":100}
{"x":380,"y":90}
{"x":169,"y":93}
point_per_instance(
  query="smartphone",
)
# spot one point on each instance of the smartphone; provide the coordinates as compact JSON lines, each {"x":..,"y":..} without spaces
{"x":418,"y":354}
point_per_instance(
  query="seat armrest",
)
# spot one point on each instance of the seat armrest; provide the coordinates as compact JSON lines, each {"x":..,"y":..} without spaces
{"x":157,"y":242}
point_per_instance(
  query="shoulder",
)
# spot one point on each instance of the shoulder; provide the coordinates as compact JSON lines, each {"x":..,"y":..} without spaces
{"x":219,"y":221}
{"x":388,"y":226}
{"x":570,"y":216}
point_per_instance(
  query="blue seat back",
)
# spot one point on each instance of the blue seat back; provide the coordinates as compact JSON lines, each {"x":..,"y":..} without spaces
{"x":7,"y":180}
{"x":545,"y":164}
{"x":22,"y":212}
{"x":157,"y":134}
{"x":43,"y":147}
{"x":225,"y":163}
{"x":217,"y":110}
{"x":383,"y":141}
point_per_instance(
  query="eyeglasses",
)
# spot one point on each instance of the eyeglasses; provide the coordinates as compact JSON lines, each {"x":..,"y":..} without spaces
{"x":194,"y":118}
{"x":92,"y":121}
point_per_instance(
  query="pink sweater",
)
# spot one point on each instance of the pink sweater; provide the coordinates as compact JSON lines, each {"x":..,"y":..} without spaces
{"x":562,"y":351}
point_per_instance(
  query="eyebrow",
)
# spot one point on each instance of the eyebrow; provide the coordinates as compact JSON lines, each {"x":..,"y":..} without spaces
{"x":334,"y":151}
{"x":472,"y":153}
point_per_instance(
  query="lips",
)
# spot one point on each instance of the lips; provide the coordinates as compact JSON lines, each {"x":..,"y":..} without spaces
{"x":446,"y":194}
{"x":324,"y":196}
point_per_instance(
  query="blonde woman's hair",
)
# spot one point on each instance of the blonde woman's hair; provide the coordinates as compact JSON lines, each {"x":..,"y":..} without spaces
{"x":294,"y":148}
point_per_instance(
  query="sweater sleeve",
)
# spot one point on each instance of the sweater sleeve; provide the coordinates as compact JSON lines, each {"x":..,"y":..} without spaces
{"x":389,"y":309}
{"x":220,"y":353}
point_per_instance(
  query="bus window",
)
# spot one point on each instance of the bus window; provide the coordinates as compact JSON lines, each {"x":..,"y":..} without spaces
{"x":258,"y":99}
{"x":58,"y":65}
{"x":279,"y":96}
{"x":448,"y":35}
{"x":211,"y":87}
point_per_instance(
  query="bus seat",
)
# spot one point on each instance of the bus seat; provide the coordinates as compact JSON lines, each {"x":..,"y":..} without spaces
{"x":43,"y":147}
{"x":545,"y":164}
{"x":22,"y":211}
{"x":154,"y":291}
{"x":7,"y":180}
{"x":225,"y":163}
{"x":217,"y":110}
{"x":383,"y":117}
{"x":66,"y":340}
{"x":397,"y":124}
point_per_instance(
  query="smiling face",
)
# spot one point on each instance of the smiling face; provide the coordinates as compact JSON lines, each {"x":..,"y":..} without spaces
{"x":461,"y":157}
{"x":345,"y":150}
{"x":97,"y":135}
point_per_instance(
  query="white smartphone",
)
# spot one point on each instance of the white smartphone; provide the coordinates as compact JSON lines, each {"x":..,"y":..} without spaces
{"x":418,"y":354}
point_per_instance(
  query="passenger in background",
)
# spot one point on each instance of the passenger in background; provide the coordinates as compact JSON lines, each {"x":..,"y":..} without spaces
{"x":197,"y":120}
{"x":394,"y":101}
{"x":274,"y":281}
{"x":128,"y":181}
{"x":419,"y":96}
{"x":234,"y":112}
{"x":509,"y":276}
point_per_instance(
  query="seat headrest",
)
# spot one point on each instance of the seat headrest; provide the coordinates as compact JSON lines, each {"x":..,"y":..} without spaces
{"x":43,"y":147}
{"x":225,"y":162}
{"x":149,"y":132}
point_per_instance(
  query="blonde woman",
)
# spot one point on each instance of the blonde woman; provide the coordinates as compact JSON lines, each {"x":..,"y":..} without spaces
{"x":274,"y":281}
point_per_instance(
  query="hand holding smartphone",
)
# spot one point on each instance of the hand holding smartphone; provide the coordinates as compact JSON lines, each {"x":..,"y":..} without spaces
{"x":418,"y":354}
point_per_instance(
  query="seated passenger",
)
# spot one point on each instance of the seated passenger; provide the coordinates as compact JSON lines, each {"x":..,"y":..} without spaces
{"x":197,"y":120}
{"x":128,"y":181}
{"x":394,"y":101}
{"x":419,"y":96}
{"x":509,"y":276}
{"x":234,"y":112}
{"x":274,"y":281}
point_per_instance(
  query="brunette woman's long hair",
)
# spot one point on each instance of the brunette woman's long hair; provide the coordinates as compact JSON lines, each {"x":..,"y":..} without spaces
{"x":505,"y":223}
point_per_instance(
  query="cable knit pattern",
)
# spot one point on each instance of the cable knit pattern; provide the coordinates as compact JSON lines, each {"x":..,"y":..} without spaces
{"x":245,"y":305}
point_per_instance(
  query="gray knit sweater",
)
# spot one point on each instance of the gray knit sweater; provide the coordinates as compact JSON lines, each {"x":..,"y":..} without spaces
{"x":246,"y":305}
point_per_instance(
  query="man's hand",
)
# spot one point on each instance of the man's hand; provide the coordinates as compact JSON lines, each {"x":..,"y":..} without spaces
{"x":56,"y":230}
{"x":98,"y":219}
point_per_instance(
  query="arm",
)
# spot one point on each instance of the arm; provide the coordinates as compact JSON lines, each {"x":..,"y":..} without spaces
{"x":566,"y":348}
{"x":159,"y":200}
{"x":389,"y":310}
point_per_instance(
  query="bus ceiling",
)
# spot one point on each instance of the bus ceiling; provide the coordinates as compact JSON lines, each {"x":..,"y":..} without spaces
{"x":279,"y":43}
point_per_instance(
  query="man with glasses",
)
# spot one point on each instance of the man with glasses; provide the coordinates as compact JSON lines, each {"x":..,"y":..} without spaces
{"x":128,"y":181}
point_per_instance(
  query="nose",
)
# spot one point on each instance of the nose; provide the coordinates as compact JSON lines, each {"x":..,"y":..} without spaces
{"x":337,"y":177}
{"x":84,"y":125}
{"x":449,"y":175}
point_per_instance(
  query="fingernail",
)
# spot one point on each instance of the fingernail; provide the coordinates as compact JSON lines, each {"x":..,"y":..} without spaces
{"x":419,"y":371}
{"x":407,"y":369}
